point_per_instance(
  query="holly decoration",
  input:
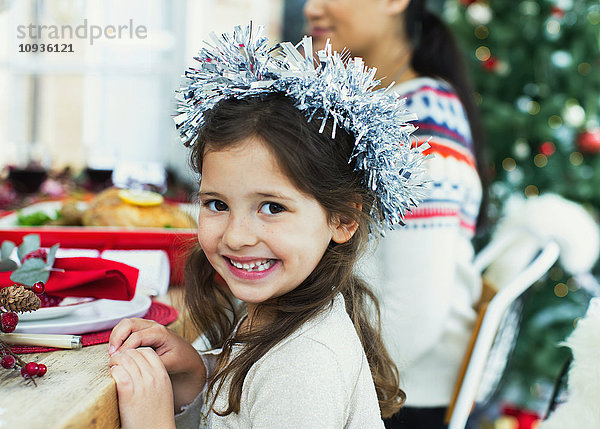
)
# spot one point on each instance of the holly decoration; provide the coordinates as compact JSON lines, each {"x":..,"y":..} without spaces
{"x":28,"y":370}
{"x":38,"y":288}
{"x":50,"y":300}
{"x":589,"y":141}
{"x":8,"y":321}
{"x":8,"y":361}
{"x":29,"y":273}
{"x":39,"y":254}
{"x":35,"y":263}
{"x":18,"y":299}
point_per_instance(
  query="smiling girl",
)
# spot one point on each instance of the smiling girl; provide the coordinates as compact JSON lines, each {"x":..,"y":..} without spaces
{"x":284,"y":214}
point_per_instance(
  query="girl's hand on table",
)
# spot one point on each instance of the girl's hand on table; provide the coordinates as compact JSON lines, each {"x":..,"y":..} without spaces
{"x":143,"y":388}
{"x":182,"y":362}
{"x":176,"y":354}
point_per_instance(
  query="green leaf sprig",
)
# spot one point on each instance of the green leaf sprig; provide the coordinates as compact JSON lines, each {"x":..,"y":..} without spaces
{"x":31,"y":270}
{"x":7,"y":264}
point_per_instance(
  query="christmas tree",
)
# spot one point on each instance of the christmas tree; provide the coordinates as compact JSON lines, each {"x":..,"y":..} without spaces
{"x":536,"y":70}
{"x":535,"y":67}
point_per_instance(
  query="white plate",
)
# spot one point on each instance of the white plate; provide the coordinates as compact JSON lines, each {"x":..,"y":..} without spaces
{"x":98,"y":315}
{"x":66,"y":306}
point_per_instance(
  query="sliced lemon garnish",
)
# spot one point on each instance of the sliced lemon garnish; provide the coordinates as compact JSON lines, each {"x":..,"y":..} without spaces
{"x":140,"y":197}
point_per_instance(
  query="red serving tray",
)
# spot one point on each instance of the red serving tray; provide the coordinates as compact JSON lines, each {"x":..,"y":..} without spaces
{"x":175,"y":243}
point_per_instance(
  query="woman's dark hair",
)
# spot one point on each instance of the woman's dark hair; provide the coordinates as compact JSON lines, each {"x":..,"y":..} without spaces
{"x":318,"y":166}
{"x":435,"y":53}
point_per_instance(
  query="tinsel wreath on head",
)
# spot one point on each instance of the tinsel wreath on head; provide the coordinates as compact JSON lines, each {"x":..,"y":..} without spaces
{"x":337,"y":88}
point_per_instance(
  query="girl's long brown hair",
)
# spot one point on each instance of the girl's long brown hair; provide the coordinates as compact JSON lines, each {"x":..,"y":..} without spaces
{"x":318,"y":165}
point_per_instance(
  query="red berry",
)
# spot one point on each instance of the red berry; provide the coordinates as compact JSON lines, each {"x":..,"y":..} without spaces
{"x":50,"y":300}
{"x":8,"y":361}
{"x":42,"y":369}
{"x":8,"y":321}
{"x":38,"y":288}
{"x":32,"y":368}
{"x":24,"y":373}
{"x":39,"y":253}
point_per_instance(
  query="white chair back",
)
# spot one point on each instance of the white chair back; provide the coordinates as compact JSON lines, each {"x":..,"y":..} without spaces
{"x":496,"y":309}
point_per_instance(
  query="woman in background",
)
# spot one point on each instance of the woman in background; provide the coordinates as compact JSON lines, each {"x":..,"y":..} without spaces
{"x":427,"y":293}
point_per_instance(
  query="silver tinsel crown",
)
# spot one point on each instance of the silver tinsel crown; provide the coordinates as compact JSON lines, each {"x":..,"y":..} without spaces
{"x":340,"y":89}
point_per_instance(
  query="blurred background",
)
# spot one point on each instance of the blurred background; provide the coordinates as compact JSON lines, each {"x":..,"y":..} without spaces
{"x":109,"y":102}
{"x":78,"y":121}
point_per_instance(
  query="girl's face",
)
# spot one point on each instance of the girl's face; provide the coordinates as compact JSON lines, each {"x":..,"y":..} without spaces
{"x":259,"y":232}
{"x":354,"y":24}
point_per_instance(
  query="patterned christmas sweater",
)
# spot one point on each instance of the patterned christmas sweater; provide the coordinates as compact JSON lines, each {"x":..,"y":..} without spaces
{"x":455,"y":191}
{"x":423,"y":272}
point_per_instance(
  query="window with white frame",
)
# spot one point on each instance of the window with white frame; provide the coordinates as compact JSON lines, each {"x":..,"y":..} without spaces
{"x":108,"y":98}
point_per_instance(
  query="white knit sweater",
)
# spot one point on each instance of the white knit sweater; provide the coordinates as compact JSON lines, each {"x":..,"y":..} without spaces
{"x":423,"y":271}
{"x":318,"y":377}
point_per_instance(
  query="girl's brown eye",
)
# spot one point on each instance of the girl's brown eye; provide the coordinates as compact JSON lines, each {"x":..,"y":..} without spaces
{"x":272,"y":208}
{"x":216,"y":205}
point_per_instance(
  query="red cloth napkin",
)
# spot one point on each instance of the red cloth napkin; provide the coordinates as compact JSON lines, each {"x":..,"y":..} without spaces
{"x":88,"y":277}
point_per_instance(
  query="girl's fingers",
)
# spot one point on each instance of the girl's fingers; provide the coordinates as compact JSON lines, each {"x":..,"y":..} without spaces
{"x":151,"y":365}
{"x":152,"y":359}
{"x":129,"y":362}
{"x":123,"y":331}
{"x":155,"y":336}
{"x":139,"y":369}
{"x":138,"y":362}
{"x":144,"y":389}
{"x":175,"y":353}
{"x":144,"y":358}
{"x":127,"y":375}
{"x":124,"y":382}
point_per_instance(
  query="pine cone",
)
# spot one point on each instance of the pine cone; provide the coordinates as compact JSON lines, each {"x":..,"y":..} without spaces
{"x":18,"y":299}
